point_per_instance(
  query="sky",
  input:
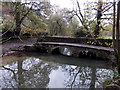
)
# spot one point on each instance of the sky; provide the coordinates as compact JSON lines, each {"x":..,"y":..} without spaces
{"x":67,"y":3}
{"x":62,"y":3}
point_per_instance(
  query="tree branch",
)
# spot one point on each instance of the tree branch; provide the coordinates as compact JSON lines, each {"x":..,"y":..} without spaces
{"x":104,"y":10}
{"x":11,"y":71}
{"x":75,"y":78}
{"x":25,"y":15}
{"x":80,"y":10}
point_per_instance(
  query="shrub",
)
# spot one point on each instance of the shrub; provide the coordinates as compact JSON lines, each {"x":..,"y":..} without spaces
{"x":81,"y":33}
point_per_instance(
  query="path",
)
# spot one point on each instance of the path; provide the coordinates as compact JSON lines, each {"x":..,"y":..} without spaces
{"x":16,"y":43}
{"x":78,"y":45}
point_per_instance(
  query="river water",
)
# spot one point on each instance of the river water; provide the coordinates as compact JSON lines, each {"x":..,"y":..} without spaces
{"x":35,"y":70}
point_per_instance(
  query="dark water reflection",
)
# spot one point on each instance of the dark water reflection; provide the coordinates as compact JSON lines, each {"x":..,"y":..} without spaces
{"x":53,"y":71}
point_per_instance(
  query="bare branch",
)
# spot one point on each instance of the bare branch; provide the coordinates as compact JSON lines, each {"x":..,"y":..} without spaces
{"x":104,"y":10}
{"x":11,"y":71}
{"x":80,"y":10}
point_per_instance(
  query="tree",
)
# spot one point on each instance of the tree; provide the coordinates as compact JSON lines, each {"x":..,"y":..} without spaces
{"x":117,"y":36}
{"x":58,"y":22}
{"x":28,"y":11}
{"x":93,"y":13}
{"x":73,"y":25}
{"x":57,"y":25}
{"x":98,"y":17}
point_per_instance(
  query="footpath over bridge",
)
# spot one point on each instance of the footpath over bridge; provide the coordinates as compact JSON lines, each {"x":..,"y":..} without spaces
{"x":78,"y":45}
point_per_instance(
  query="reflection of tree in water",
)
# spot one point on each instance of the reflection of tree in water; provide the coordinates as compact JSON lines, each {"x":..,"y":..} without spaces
{"x":79,"y":77}
{"x":86,"y":77}
{"x":33,"y":72}
{"x":38,"y":74}
{"x":11,"y":75}
{"x":30,"y":73}
{"x":101,"y":75}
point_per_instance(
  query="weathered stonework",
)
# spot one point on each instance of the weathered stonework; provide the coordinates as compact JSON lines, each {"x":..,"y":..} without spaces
{"x":79,"y":40}
{"x":79,"y":51}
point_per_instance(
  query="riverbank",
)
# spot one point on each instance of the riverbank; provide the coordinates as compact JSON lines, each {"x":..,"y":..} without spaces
{"x":10,"y":46}
{"x":13,"y":44}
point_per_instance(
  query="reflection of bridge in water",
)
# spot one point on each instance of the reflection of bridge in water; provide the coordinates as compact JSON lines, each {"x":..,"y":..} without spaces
{"x":83,"y":62}
{"x":101,"y":48}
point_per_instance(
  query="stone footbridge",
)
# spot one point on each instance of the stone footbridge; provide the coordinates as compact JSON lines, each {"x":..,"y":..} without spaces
{"x":100,"y":48}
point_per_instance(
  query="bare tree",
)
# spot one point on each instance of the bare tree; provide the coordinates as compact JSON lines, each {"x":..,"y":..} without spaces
{"x":96,"y":18}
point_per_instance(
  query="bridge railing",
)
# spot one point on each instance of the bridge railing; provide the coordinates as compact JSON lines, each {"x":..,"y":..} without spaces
{"x":78,"y":40}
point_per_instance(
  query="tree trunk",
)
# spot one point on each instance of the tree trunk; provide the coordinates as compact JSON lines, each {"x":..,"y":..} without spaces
{"x":17,"y":19}
{"x":118,"y":37}
{"x":20,"y":74}
{"x":93,"y":78}
{"x":113,"y":34}
{"x":99,"y":15}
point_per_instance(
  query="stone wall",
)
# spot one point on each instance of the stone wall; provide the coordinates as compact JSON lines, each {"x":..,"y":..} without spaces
{"x":82,"y":40}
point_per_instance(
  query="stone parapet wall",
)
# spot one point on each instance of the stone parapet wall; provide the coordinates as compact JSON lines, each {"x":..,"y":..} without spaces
{"x":89,"y":41}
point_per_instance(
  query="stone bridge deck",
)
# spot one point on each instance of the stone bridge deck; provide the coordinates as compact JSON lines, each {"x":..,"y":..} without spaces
{"x":78,"y":45}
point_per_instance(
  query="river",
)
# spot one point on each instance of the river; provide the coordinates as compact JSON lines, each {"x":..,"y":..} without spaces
{"x":35,"y":70}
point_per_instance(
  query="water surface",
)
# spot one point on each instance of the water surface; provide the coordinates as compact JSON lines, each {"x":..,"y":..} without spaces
{"x":52,"y":71}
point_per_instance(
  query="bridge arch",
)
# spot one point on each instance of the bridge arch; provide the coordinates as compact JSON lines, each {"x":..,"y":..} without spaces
{"x":86,"y":54}
{"x":55,"y":50}
{"x":65,"y":50}
{"x":72,"y":51}
{"x":61,"y":50}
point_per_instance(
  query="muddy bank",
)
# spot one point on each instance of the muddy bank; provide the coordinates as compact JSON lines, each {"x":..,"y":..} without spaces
{"x":13,"y":44}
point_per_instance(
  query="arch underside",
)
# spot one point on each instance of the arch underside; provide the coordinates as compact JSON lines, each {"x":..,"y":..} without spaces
{"x":81,"y":52}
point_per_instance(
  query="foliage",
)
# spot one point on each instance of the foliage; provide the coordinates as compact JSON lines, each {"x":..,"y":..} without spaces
{"x":25,"y":15}
{"x":42,"y":16}
{"x":30,"y":32}
{"x":94,"y":17}
{"x":7,"y":25}
{"x":57,"y":24}
{"x":34,"y":22}
{"x":107,"y":82}
{"x":80,"y":33}
{"x":110,"y":81}
{"x":73,"y":25}
{"x":1,"y":23}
